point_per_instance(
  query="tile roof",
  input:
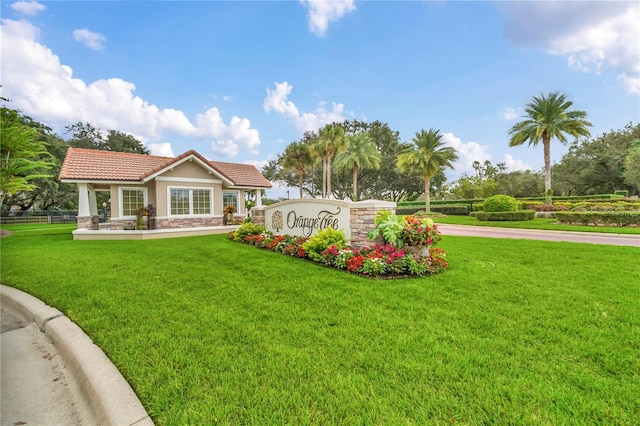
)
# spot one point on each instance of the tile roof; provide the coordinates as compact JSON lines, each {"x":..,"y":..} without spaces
{"x":95,"y":165}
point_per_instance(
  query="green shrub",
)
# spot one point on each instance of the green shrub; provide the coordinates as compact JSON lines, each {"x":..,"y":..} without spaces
{"x":321,"y":241}
{"x":609,"y":218}
{"x":477,"y":207}
{"x":247,"y":229}
{"x":621,"y":192}
{"x":500,"y":203}
{"x":506,"y":216}
{"x":405,"y":211}
{"x":452,"y":209}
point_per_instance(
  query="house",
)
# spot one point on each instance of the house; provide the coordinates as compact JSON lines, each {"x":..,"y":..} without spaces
{"x":186,"y":191}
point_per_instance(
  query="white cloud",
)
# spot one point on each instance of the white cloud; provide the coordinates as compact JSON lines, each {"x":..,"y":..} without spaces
{"x":509,"y":113}
{"x":277,"y":100}
{"x":28,"y":7}
{"x":515,"y":165}
{"x":45,"y":89}
{"x":467,"y":153}
{"x":323,"y":12}
{"x":162,"y":149}
{"x":89,"y":38}
{"x":594,"y":36}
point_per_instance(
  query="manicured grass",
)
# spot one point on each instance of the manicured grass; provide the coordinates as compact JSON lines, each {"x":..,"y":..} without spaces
{"x":211,"y":331}
{"x":538,"y":223}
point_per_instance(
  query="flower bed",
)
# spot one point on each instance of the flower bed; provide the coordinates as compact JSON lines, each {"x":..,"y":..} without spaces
{"x":411,"y":253}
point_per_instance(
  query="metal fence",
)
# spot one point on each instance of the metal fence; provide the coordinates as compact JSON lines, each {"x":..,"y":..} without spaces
{"x":38,"y":216}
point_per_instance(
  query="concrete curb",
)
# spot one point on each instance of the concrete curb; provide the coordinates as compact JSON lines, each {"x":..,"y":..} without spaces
{"x":110,"y":397}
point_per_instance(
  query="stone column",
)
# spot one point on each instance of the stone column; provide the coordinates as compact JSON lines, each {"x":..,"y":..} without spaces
{"x":363,"y":214}
{"x":258,"y":198}
{"x":257,"y":215}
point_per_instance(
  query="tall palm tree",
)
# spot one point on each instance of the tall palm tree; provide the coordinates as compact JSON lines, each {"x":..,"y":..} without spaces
{"x":297,"y":156}
{"x":331,"y":141}
{"x":360,"y":153}
{"x":549,"y":117}
{"x":427,"y":156}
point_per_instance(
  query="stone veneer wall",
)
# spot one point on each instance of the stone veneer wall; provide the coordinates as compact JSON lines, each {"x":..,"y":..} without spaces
{"x":88,"y":222}
{"x":173,"y":223}
{"x":363,"y":214}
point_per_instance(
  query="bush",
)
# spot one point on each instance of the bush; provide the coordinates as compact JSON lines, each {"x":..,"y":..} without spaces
{"x":500,"y":203}
{"x":247,"y":229}
{"x":610,"y":218}
{"x":506,"y":216}
{"x":323,"y":240}
{"x":405,"y":211}
{"x":621,"y":192}
{"x":452,"y":209}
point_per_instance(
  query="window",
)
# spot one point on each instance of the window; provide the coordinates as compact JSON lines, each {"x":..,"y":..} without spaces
{"x":230,"y":198}
{"x":186,"y":201}
{"x":132,"y":199}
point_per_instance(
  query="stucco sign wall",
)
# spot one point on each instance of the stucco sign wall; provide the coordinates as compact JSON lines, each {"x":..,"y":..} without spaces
{"x":308,"y":216}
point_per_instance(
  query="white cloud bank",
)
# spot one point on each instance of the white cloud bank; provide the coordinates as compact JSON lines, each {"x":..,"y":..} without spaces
{"x":323,"y":12}
{"x":594,"y":36}
{"x":89,"y":38}
{"x":42,"y":87}
{"x":277,"y":100}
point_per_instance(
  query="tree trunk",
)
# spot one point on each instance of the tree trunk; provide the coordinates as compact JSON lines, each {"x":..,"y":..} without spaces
{"x":546,"y":142}
{"x":427,"y":193}
{"x":328,"y":177}
{"x":324,"y":177}
{"x":300,"y":176}
{"x":355,"y":182}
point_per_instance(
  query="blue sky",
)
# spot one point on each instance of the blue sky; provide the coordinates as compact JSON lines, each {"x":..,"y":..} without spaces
{"x":239,"y":81}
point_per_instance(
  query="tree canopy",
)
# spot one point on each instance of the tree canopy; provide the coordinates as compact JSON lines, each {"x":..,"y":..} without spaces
{"x":23,"y":157}
{"x":427,"y":156}
{"x":546,"y":118}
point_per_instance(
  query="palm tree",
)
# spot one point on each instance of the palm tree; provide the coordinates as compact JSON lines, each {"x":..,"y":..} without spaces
{"x":549,"y":117}
{"x":427,"y":155}
{"x":331,"y":141}
{"x":361,"y":153}
{"x":297,"y":157}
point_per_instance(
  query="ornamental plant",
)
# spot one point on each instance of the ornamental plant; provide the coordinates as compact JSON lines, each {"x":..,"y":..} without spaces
{"x":412,"y":252}
{"x":410,"y":230}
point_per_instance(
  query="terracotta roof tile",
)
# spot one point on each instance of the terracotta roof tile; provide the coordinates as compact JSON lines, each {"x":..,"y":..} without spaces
{"x":242,"y":174}
{"x":89,"y":164}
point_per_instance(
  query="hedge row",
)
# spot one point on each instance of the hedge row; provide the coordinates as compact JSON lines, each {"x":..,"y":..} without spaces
{"x":453,"y":209}
{"x":506,"y":216}
{"x":600,"y":218}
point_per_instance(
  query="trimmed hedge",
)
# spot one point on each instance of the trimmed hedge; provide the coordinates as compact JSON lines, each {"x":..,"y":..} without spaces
{"x":619,"y":218}
{"x":405,"y":211}
{"x":460,"y":210}
{"x":500,"y":203}
{"x":452,"y":209}
{"x":506,"y":216}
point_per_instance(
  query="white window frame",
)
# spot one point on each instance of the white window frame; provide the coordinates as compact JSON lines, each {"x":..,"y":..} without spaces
{"x":237,"y":199}
{"x":190,"y":189}
{"x":121,"y":189}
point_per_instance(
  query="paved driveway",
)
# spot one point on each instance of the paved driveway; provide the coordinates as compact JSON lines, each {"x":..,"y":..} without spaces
{"x":535,"y":234}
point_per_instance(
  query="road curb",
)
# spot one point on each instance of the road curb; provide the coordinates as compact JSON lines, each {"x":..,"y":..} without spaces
{"x":107,"y":393}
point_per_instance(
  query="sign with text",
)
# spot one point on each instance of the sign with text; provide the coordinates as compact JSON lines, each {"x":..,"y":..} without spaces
{"x":308,"y":216}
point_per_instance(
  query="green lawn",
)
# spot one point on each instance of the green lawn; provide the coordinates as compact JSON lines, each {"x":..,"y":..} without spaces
{"x":538,"y":223}
{"x":211,"y":331}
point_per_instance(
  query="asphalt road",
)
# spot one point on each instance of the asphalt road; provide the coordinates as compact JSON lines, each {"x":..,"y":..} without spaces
{"x":535,"y":234}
